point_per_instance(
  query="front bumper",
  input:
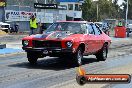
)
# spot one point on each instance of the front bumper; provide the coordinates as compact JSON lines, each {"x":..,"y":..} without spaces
{"x":48,"y":51}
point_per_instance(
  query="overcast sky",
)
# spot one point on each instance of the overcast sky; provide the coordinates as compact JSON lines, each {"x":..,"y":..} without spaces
{"x":120,"y":2}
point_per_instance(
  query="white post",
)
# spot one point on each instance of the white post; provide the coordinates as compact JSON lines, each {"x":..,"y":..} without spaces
{"x":37,"y":11}
{"x":97,"y":7}
{"x":44,"y":11}
{"x":36,"y":2}
{"x":126,"y":13}
{"x":97,"y":10}
{"x":36,"y":8}
{"x":44,"y":1}
{"x":19,"y":9}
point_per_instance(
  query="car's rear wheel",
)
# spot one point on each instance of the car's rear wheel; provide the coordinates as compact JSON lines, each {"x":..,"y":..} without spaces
{"x":32,"y":58}
{"x":102,"y":54}
{"x":77,"y":57}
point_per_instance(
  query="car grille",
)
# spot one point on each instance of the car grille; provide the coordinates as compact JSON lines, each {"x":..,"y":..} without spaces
{"x":52,"y":44}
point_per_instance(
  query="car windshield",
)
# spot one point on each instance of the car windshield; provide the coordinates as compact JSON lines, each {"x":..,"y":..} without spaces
{"x":75,"y":28}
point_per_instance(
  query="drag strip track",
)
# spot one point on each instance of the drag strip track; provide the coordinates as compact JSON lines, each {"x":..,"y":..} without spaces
{"x":16,"y":72}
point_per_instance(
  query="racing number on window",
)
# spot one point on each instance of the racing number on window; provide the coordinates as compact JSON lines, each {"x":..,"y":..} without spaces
{"x":97,"y":31}
{"x":90,"y":29}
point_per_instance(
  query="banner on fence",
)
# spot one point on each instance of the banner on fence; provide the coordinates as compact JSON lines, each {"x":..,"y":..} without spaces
{"x":25,"y":16}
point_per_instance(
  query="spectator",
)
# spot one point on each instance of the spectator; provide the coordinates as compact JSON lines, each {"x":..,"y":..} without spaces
{"x":120,"y":24}
{"x":16,"y":27}
{"x":42,"y":28}
{"x":11,"y":29}
{"x":33,"y":25}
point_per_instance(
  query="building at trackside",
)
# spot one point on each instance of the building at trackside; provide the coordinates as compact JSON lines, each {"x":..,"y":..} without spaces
{"x":46,"y":12}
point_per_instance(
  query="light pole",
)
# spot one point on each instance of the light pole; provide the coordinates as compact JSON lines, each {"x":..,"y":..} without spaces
{"x":97,"y":7}
{"x":97,"y":11}
{"x":126,"y":13}
{"x":45,"y":10}
{"x":36,"y":9}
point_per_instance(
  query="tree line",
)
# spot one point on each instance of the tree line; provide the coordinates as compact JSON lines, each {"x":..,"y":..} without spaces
{"x":107,"y":9}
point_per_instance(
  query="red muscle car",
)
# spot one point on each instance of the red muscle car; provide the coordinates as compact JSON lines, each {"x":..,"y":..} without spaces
{"x":71,"y":39}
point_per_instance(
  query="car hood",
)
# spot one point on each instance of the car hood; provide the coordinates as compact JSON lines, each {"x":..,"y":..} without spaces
{"x":60,"y":35}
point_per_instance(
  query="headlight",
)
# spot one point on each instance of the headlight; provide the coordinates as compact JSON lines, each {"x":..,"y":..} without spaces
{"x":25,"y":42}
{"x":69,"y":44}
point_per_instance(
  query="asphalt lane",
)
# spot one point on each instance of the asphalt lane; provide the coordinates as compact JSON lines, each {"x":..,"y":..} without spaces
{"x":16,"y":72}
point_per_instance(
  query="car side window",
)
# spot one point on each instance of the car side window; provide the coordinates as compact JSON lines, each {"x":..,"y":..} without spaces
{"x":90,"y":29}
{"x":96,"y":29}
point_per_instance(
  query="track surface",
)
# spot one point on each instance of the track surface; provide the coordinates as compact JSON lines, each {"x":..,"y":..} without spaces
{"x":16,"y":72}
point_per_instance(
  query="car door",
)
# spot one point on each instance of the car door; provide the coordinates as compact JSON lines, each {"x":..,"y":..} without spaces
{"x":90,"y":39}
{"x":101,"y":37}
{"x":97,"y":38}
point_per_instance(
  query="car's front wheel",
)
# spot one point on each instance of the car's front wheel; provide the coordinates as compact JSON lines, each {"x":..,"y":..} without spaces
{"x":77,"y":57}
{"x":31,"y":58}
{"x":102,"y":54}
{"x":32,"y":61}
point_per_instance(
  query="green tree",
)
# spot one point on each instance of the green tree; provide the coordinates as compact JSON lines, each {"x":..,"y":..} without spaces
{"x":106,"y":8}
{"x":88,"y":10}
{"x":116,"y":7}
{"x":129,"y":9}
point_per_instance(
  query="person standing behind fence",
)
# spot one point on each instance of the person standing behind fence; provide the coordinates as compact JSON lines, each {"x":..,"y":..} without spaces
{"x":33,"y":25}
{"x":120,"y":24}
{"x":43,"y":27}
{"x":16,"y":27}
{"x":40,"y":28}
